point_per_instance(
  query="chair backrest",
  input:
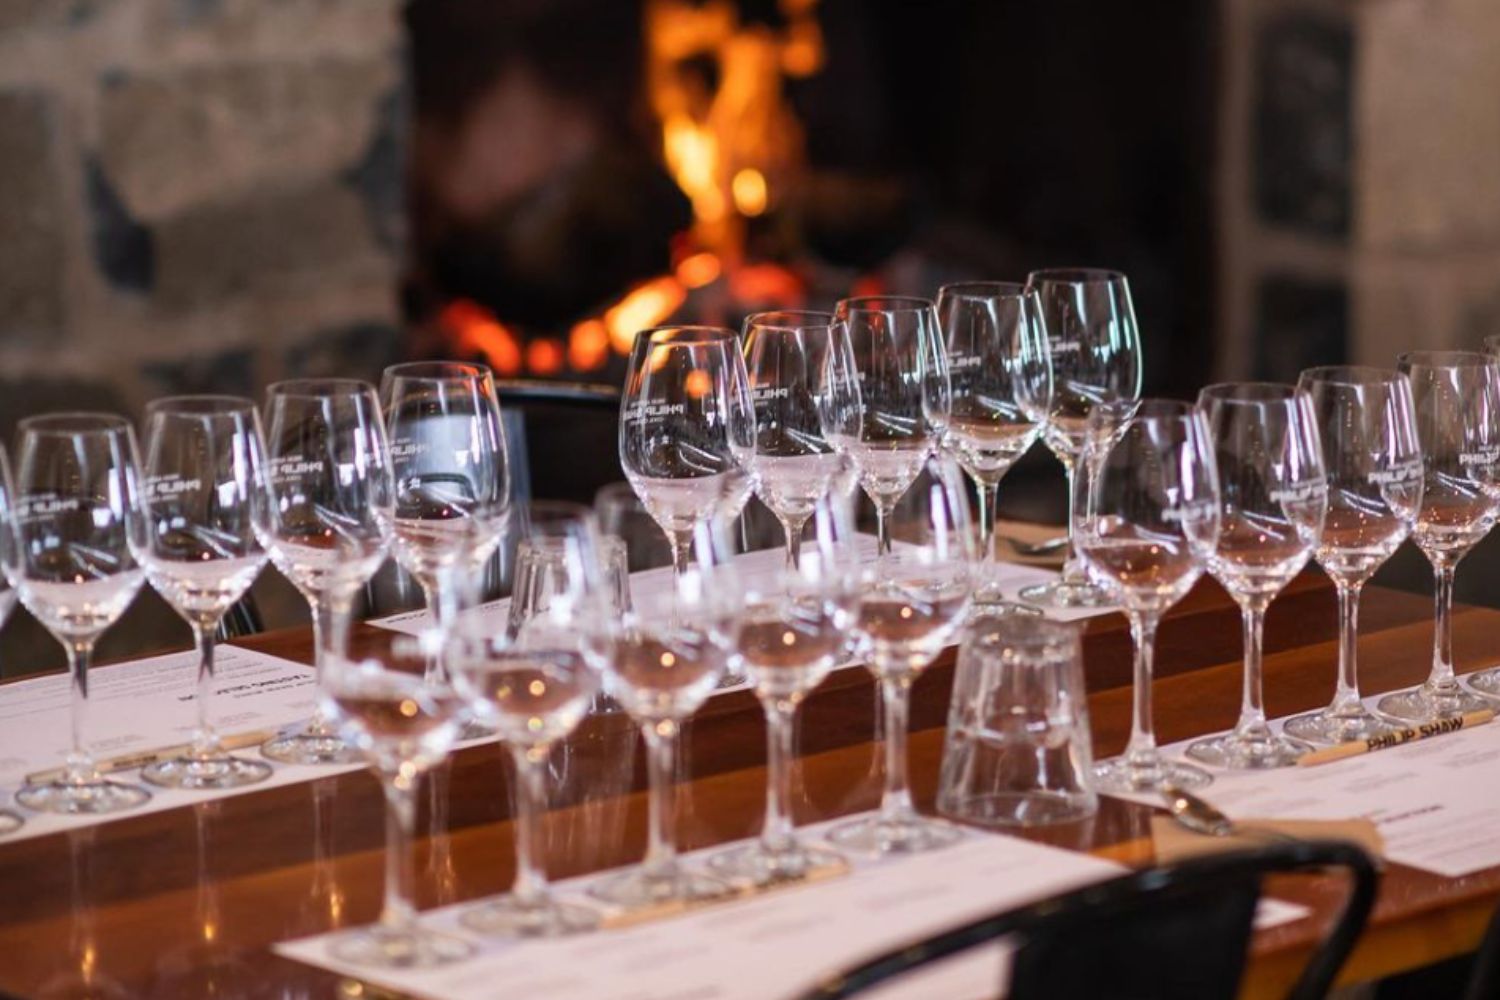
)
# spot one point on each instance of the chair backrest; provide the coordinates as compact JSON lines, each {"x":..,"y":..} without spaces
{"x":1484,"y":978}
{"x":1175,"y":933}
{"x":569,"y":436}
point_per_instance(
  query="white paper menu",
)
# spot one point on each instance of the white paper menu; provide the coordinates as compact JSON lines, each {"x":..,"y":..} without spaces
{"x":147,"y":705}
{"x":774,"y":945}
{"x":1434,"y":801}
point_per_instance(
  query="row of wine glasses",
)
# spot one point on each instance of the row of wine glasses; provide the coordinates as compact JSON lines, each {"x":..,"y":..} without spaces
{"x":1254,"y":481}
{"x":319,"y":493}
{"x":801,"y":403}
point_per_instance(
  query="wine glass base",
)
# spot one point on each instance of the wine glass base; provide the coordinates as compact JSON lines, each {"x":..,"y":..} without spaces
{"x":1239,"y":753}
{"x":510,"y":917}
{"x":905,"y":835}
{"x":1345,"y":726}
{"x":86,"y":798}
{"x":10,"y":822}
{"x":1065,"y":594}
{"x":217,"y":771}
{"x":1119,"y":776}
{"x":309,"y":748}
{"x":1486,"y":682}
{"x":417,"y":948}
{"x":637,"y":889}
{"x":758,"y":865}
{"x":1422,"y":705}
{"x":996,"y":605}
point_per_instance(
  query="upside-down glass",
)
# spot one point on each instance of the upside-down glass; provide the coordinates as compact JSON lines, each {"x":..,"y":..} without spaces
{"x":664,"y":660}
{"x":915,"y":597}
{"x":452,"y":477}
{"x":206,"y":504}
{"x":1273,"y":495}
{"x":79,"y":535}
{"x":9,"y":821}
{"x":546,"y":566}
{"x":534,"y":687}
{"x":684,"y":441}
{"x":1374,"y":466}
{"x":793,"y":633}
{"x":332,"y":492}
{"x":1000,"y":373}
{"x":1146,"y":519}
{"x":1095,"y":348}
{"x":1456,"y":398}
{"x":894,"y":349}
{"x":794,"y":465}
{"x":402,"y":722}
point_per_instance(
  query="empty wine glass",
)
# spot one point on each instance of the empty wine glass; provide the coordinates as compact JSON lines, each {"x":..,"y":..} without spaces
{"x":452,"y":477}
{"x":1273,"y":495}
{"x":332,"y":492}
{"x":684,"y":441}
{"x":206,"y":506}
{"x":786,"y":357}
{"x":75,"y":563}
{"x":1374,"y":466}
{"x":403,"y":722}
{"x":9,"y":821}
{"x":895,"y":351}
{"x":1000,"y":372}
{"x":915,"y":597}
{"x":1456,"y":398}
{"x":793,"y":633}
{"x":1095,"y":349}
{"x":664,"y":661}
{"x":1146,"y":519}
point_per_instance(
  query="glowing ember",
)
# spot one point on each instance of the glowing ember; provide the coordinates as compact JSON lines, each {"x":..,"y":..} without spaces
{"x":474,"y":329}
{"x":699,"y":269}
{"x":644,"y":306}
{"x":544,"y":356}
{"x":588,"y":345}
{"x":749,"y":189}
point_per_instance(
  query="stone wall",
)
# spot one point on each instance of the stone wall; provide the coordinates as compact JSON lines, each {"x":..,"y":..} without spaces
{"x":195,"y":194}
{"x":1359,"y":180}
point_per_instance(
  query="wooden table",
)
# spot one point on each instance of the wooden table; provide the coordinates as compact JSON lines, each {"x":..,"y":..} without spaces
{"x":186,"y":903}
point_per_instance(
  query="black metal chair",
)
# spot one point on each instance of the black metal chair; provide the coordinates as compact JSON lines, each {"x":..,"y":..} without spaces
{"x":1484,"y":978}
{"x":1175,"y":933}
{"x":568,"y":437}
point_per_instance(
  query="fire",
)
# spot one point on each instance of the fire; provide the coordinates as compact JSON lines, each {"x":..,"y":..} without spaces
{"x":644,"y":306}
{"x":544,"y":356}
{"x":588,"y":345}
{"x":474,"y":329}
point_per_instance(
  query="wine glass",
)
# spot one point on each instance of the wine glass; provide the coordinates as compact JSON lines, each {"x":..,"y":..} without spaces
{"x":895,"y":352}
{"x":1095,"y":348}
{"x":1456,"y":398}
{"x":1000,"y":372}
{"x":9,"y":821}
{"x":915,"y":597}
{"x":1146,"y":519}
{"x":533,"y":689}
{"x":792,"y":635}
{"x":1374,"y":466}
{"x":206,"y":506}
{"x":686,"y":431}
{"x":331,"y":493}
{"x":1274,"y":496}
{"x":794,"y":465}
{"x":664,"y":661}
{"x":403,"y":722}
{"x":78,"y":538}
{"x":452,"y":477}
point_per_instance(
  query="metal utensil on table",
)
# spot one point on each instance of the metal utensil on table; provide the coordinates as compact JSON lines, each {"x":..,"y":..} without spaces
{"x":1046,"y":547}
{"x":1197,"y":815}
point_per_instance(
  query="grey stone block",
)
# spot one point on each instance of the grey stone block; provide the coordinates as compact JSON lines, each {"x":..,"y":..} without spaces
{"x":31,"y":239}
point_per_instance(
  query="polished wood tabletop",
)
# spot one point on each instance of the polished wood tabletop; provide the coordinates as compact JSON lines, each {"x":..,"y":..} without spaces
{"x":187,"y":902}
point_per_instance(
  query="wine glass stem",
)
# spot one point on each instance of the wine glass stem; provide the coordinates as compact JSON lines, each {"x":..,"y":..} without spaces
{"x":989,"y":499}
{"x":438,"y":598}
{"x":330,"y":615}
{"x":206,"y":739}
{"x":1347,"y":693}
{"x":1141,"y":751}
{"x":661,"y":760}
{"x":80,"y":763}
{"x":530,"y":889}
{"x":682,"y":551}
{"x":1252,"y":721}
{"x":777,"y":836}
{"x":1441,"y":679}
{"x":1072,"y":571}
{"x":399,"y":912}
{"x":792,"y":526}
{"x":882,"y":531}
{"x":895,"y":804}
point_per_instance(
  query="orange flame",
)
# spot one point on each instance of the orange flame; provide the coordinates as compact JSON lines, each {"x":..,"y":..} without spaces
{"x":475,"y":329}
{"x":644,"y":306}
